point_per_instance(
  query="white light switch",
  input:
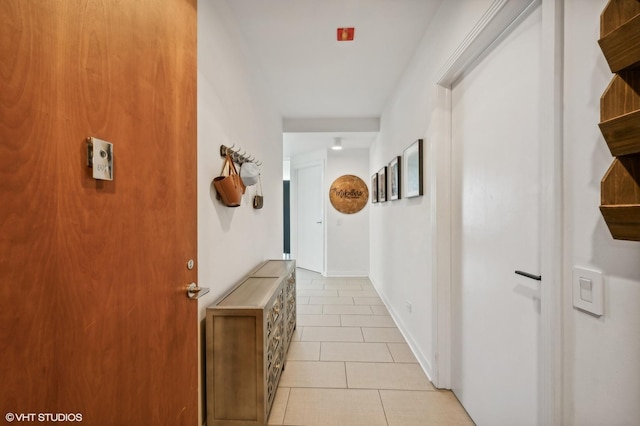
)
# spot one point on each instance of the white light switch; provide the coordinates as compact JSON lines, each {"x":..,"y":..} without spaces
{"x":588,"y":290}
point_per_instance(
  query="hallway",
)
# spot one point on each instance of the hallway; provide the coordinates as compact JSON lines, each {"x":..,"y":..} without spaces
{"x":349,"y":364}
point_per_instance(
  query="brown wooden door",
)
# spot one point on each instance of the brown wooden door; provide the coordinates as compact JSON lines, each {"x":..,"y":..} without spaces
{"x":94,"y":318}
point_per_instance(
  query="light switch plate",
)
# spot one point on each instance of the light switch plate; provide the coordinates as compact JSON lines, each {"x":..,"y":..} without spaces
{"x":588,"y":290}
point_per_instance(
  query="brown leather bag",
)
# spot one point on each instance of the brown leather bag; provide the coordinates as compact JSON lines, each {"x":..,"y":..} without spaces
{"x":228,"y":185}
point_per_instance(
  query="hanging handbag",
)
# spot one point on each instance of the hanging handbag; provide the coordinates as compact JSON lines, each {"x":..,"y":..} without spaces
{"x":228,"y":185}
{"x":258,"y":199}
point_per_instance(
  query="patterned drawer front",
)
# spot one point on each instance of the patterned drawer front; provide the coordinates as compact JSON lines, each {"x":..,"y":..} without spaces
{"x":291,"y":307}
{"x":290,"y":302}
{"x":273,"y":372}
{"x":274,"y":340}
{"x":291,"y":324}
{"x":275,"y":333}
{"x":273,"y":314}
{"x":291,"y":285}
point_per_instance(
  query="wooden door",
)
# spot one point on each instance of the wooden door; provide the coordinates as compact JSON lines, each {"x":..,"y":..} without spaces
{"x":496,"y":110}
{"x":94,"y":318}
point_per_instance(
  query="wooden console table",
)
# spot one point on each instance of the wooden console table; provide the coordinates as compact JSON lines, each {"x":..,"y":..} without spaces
{"x":248,"y":332}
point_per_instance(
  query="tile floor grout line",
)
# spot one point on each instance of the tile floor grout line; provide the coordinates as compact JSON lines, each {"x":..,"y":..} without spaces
{"x":346,"y":377}
{"x":286,"y":405}
{"x":382,"y":405}
{"x":389,"y":349}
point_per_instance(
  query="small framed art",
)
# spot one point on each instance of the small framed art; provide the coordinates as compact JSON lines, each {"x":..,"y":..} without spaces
{"x":382,"y":184}
{"x":394,"y":178}
{"x":374,"y":188}
{"x":412,"y":173}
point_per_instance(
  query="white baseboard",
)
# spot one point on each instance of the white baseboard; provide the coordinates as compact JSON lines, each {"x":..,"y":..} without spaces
{"x":347,"y":274}
{"x":425,"y":364}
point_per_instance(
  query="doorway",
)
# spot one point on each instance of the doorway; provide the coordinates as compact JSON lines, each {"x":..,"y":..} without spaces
{"x":96,"y":325}
{"x":496,"y":216}
{"x":286,"y":219}
{"x":310,"y":218}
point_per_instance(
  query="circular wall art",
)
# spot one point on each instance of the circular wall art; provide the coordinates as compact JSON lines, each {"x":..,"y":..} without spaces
{"x":348,"y":194}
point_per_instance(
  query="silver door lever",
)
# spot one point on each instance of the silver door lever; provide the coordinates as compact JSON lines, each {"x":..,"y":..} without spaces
{"x":195,"y":292}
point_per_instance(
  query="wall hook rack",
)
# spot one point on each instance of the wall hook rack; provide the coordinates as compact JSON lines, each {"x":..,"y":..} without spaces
{"x":237,"y":156}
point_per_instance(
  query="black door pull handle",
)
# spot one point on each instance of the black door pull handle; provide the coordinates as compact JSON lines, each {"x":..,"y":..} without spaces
{"x":528,"y":275}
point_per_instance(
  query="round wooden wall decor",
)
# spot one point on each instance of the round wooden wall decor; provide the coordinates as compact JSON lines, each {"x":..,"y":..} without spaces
{"x":349,"y":194}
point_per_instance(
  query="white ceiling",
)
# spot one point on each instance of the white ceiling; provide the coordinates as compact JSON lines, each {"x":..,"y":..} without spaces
{"x":311,"y":75}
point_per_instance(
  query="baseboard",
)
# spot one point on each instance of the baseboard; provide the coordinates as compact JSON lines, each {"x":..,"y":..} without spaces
{"x":346,"y":274}
{"x":422,"y":360}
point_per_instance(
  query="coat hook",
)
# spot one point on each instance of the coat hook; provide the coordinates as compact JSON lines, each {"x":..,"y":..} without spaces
{"x":238,"y":155}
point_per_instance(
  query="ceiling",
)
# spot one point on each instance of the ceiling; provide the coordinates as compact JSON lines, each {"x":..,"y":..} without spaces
{"x":312,"y":76}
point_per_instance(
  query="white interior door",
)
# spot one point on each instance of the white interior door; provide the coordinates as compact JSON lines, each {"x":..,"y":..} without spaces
{"x":495,"y":231}
{"x":310,"y":219}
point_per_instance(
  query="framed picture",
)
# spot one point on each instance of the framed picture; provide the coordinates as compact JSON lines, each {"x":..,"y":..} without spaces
{"x":382,"y":184}
{"x":394,"y":178}
{"x":412,"y":170}
{"x":374,"y":188}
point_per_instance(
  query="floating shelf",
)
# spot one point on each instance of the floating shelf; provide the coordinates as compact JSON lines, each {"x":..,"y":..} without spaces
{"x":620,"y":34}
{"x":620,"y":113}
{"x":620,"y":118}
{"x":620,"y":198}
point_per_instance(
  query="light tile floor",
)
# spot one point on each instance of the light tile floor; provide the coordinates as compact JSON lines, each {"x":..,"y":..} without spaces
{"x":348,"y":364}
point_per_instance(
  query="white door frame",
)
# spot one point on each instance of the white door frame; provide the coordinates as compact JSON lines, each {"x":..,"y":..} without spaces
{"x":498,"y":20}
{"x":293,"y":194}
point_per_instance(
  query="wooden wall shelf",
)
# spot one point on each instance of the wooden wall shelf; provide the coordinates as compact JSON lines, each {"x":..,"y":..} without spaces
{"x":620,"y":113}
{"x":620,"y":198}
{"x":620,"y":118}
{"x":620,"y":34}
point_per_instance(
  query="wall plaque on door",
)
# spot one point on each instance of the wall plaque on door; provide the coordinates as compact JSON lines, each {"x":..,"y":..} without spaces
{"x":348,"y":194}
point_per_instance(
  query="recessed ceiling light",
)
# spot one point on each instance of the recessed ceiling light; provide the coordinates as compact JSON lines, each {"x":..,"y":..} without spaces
{"x":337,"y":144}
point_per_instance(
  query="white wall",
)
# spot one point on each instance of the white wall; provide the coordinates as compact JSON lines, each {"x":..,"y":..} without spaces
{"x":401,"y":238}
{"x":601,"y":355}
{"x":347,"y":234}
{"x":233,"y":108}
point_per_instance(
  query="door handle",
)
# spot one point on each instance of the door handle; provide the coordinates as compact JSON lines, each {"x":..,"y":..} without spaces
{"x":319,"y":222}
{"x":528,"y":275}
{"x":195,"y":292}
